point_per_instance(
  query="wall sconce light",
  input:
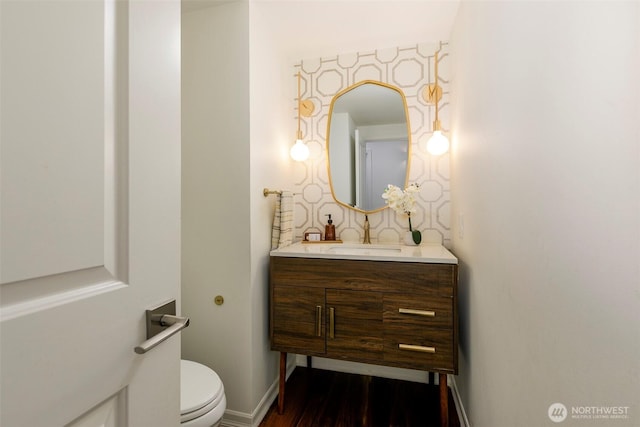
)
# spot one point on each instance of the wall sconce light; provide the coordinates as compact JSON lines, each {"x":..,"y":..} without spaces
{"x":300,"y":152}
{"x":438,"y":143}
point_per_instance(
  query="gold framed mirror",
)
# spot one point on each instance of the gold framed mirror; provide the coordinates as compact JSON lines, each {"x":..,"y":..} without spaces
{"x":368,"y":144}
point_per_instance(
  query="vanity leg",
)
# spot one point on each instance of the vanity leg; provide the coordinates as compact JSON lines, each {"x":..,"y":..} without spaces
{"x":432,"y":378}
{"x":283,"y":379}
{"x":444,"y":400}
{"x":308,"y":361}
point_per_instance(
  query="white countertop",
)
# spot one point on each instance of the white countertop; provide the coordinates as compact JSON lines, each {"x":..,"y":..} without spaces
{"x":425,"y":253}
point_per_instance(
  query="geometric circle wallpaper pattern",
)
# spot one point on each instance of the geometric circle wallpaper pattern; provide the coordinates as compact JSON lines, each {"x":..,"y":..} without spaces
{"x":411,"y":69}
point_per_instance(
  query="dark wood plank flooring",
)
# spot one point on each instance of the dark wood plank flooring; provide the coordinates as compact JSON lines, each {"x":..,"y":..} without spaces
{"x":319,"y":398}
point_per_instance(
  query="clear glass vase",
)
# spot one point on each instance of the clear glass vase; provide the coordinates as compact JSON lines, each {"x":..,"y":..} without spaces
{"x":408,"y":239}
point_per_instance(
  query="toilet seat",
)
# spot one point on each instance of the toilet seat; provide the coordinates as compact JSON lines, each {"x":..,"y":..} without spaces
{"x":201,"y":392}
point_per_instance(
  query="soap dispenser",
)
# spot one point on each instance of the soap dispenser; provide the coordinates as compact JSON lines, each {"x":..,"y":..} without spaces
{"x":329,"y":229}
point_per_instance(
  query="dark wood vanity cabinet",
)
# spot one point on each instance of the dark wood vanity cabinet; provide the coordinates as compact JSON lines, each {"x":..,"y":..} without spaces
{"x":390,"y":313}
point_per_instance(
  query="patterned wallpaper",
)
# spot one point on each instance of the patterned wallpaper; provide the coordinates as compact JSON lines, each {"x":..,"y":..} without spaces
{"x":411,"y":69}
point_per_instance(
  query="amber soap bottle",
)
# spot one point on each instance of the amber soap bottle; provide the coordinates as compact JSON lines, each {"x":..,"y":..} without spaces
{"x":329,"y":230}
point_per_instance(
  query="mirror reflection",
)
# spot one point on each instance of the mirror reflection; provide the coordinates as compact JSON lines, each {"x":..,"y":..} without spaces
{"x":368,"y":144}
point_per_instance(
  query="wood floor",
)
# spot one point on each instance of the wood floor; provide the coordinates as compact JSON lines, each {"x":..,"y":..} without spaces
{"x":320,"y":398}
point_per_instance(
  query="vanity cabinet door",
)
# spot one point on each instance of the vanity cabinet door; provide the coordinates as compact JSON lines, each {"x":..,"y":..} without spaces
{"x":354,"y":325}
{"x":297,"y":319}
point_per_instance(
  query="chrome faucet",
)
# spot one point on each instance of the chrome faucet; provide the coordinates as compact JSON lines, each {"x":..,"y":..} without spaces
{"x":367,"y":238}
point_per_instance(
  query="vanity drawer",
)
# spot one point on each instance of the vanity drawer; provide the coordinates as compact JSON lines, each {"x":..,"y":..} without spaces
{"x":430,"y":349}
{"x":407,"y":312}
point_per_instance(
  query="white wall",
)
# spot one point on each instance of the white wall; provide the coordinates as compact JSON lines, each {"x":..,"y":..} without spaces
{"x":319,"y":28}
{"x":546,"y":166}
{"x":216,"y":232}
{"x":379,"y":132}
{"x":272,"y":101}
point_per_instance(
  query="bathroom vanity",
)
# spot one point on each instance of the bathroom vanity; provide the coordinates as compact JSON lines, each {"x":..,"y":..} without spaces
{"x":388,"y":305}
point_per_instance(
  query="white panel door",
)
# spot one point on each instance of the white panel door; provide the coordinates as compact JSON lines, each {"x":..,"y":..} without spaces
{"x":89,"y":210}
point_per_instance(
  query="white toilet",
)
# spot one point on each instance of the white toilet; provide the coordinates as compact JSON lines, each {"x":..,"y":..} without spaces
{"x":202,"y":398}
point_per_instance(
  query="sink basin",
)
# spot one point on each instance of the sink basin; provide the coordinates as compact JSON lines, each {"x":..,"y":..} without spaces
{"x":363,"y":250}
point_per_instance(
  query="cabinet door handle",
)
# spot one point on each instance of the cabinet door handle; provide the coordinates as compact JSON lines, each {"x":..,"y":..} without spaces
{"x":318,"y":320}
{"x":420,"y":348}
{"x":426,"y":313}
{"x":332,"y":322}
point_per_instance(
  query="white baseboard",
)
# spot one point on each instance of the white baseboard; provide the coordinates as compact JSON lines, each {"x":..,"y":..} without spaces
{"x":235,"y":419}
{"x":462,"y":414}
{"x":243,"y":419}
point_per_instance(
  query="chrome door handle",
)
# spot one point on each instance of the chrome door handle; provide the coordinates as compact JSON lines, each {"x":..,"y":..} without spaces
{"x":175,"y":323}
{"x":162,"y":323}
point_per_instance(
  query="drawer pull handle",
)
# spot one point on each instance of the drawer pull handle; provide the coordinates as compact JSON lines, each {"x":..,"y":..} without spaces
{"x":420,"y":348}
{"x":332,"y":322}
{"x":426,"y":313}
{"x":318,"y":320}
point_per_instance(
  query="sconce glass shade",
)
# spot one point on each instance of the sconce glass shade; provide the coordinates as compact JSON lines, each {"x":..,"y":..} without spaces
{"x":438,"y":143}
{"x":299,"y":152}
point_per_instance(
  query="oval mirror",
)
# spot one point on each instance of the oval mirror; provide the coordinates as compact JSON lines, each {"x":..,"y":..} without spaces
{"x":368,"y":144}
